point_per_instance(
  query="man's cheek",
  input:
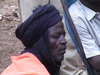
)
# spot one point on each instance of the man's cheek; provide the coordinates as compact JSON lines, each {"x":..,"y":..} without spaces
{"x":52,"y":42}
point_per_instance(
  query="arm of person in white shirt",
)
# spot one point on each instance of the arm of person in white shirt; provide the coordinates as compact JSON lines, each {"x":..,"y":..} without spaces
{"x":91,"y":49}
{"x":95,"y":62}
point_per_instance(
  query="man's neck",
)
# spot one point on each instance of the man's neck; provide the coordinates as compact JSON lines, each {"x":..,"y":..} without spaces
{"x":94,"y":6}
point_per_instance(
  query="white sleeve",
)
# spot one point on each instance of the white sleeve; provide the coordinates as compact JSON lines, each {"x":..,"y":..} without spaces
{"x":88,"y":43}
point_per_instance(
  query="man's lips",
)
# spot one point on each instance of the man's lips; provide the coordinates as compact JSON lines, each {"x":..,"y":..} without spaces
{"x":62,"y":51}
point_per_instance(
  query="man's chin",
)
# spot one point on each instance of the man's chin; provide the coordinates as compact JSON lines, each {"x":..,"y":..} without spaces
{"x":59,"y":59}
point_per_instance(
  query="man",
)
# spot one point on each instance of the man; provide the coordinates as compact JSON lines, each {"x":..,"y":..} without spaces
{"x":43,"y":36}
{"x":86,"y":18}
{"x":71,"y":55}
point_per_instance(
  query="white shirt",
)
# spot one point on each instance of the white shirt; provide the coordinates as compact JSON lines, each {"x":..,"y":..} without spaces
{"x":87,"y":23}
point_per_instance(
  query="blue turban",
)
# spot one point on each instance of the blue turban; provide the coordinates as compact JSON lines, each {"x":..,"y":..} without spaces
{"x":42,"y":18}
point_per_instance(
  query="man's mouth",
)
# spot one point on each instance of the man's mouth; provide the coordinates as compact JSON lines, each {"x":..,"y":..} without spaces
{"x":62,"y":52}
{"x":62,"y":49}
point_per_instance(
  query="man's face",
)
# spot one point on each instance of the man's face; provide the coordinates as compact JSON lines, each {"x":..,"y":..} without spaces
{"x":57,"y":41}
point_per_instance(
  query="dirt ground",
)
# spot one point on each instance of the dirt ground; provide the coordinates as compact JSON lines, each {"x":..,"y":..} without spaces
{"x":9,"y":44}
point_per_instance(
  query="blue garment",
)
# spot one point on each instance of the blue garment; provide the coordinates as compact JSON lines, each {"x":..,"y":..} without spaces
{"x":70,"y":2}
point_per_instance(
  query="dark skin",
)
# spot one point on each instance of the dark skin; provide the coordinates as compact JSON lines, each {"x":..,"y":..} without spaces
{"x":94,"y":5}
{"x":57,"y":41}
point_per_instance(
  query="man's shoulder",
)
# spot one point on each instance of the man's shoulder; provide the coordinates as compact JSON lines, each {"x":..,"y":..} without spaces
{"x":76,"y":10}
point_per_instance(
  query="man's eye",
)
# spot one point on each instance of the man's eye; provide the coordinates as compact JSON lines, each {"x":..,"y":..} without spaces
{"x":56,"y":36}
{"x":64,"y":34}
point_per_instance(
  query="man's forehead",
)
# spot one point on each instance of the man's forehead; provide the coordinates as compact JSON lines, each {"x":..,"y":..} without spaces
{"x":56,"y":30}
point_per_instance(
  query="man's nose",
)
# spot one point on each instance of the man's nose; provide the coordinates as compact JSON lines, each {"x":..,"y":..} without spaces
{"x":64,"y":41}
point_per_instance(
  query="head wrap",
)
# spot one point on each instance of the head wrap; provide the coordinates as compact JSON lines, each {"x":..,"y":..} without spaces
{"x":42,"y":18}
{"x":34,"y":35}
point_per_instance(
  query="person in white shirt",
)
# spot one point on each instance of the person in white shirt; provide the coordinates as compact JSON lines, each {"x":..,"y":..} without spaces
{"x":86,"y":18}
